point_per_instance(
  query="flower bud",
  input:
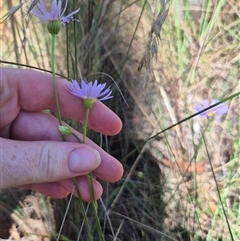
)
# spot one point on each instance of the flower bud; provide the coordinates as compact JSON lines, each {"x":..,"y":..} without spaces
{"x":65,"y":130}
{"x":53,"y":26}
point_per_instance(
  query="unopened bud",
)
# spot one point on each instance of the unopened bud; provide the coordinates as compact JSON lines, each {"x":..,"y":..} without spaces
{"x":65,"y":130}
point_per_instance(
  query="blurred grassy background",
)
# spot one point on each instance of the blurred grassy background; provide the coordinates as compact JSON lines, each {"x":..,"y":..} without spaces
{"x":165,"y":57}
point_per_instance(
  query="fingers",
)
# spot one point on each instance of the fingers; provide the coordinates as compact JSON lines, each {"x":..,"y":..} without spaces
{"x":36,"y":162}
{"x":83,"y":187}
{"x":30,"y":127}
{"x":40,"y":155}
{"x":51,"y":189}
{"x":33,"y":91}
{"x":63,"y":188}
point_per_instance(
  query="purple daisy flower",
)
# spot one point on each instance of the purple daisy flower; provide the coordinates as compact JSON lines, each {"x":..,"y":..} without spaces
{"x":40,"y":11}
{"x":216,"y":111}
{"x":91,"y":90}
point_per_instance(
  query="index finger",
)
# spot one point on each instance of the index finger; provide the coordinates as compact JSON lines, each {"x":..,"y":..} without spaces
{"x":35,"y":93}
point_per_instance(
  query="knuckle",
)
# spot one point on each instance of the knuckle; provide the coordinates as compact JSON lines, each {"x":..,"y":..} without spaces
{"x":47,"y":162}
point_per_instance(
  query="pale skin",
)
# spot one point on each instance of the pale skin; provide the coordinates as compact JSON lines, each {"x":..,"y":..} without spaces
{"x":32,"y":153}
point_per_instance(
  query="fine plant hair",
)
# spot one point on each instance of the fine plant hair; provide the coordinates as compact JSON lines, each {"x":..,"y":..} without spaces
{"x":181,"y":172}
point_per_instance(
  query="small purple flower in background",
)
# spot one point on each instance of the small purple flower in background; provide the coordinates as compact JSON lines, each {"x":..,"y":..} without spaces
{"x":55,"y":17}
{"x":90,"y":91}
{"x":215,"y":112}
{"x":40,"y":11}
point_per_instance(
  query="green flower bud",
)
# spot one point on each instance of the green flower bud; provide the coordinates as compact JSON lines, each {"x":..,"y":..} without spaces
{"x":53,"y":26}
{"x":65,"y":130}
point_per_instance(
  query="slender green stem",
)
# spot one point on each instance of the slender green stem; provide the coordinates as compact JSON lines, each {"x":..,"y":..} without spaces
{"x":75,"y":45}
{"x":85,"y":126}
{"x":54,"y":79}
{"x":60,"y":123}
{"x":89,"y":176}
{"x":90,"y":185}
{"x":83,"y":208}
{"x":95,"y":207}
{"x":78,"y":139}
{"x":67,"y":53}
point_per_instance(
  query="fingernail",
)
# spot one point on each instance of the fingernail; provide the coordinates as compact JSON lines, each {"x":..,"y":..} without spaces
{"x":83,"y":160}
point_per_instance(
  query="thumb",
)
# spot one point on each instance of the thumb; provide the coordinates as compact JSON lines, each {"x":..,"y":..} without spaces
{"x":25,"y":162}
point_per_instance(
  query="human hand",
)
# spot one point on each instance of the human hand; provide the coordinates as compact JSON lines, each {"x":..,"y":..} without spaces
{"x":33,"y":155}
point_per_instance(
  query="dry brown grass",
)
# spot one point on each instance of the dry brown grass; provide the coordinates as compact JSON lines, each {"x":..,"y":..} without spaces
{"x":190,"y":65}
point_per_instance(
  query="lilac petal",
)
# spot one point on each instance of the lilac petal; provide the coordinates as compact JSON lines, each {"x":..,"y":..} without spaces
{"x":53,"y":12}
{"x":65,"y":7}
{"x":40,"y":11}
{"x":205,"y":104}
{"x":40,"y":5}
{"x":75,"y":88}
{"x":105,"y":92}
{"x":108,"y":96}
{"x":92,"y":89}
{"x":56,"y":11}
{"x":84,"y":87}
{"x":69,"y":17}
{"x":197,"y":108}
{"x":221,"y":109}
{"x":99,"y":88}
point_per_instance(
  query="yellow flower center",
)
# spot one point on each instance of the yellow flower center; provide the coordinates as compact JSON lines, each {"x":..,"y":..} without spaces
{"x":210,"y":113}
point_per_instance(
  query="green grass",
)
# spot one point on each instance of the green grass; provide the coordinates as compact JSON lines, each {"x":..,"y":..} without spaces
{"x":197,"y":58}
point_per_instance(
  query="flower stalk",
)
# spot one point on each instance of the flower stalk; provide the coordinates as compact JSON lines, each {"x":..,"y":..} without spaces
{"x":89,"y":92}
{"x":83,"y":208}
{"x":54,"y":79}
{"x":90,"y":181}
{"x":62,"y":129}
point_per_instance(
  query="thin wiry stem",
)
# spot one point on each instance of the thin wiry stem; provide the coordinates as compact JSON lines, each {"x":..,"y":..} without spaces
{"x":75,"y":46}
{"x":60,"y":123}
{"x":218,"y":191}
{"x":90,"y":185}
{"x":83,"y":209}
{"x":54,"y":79}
